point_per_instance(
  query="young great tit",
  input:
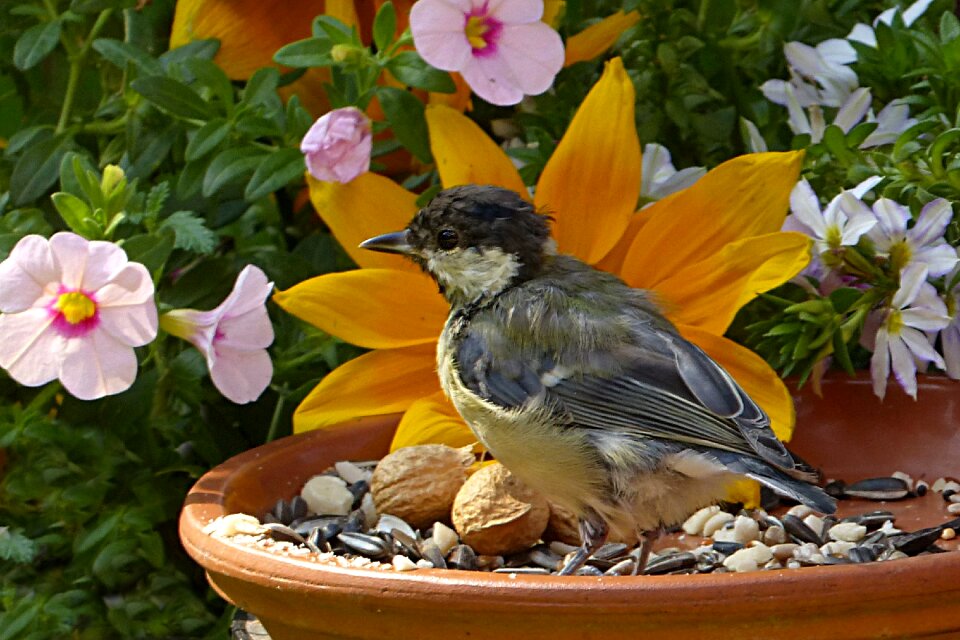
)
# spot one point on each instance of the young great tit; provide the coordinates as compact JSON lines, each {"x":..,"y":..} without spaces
{"x":577,"y":383}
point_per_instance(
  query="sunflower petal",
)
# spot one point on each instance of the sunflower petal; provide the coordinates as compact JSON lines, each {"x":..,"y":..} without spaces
{"x":613,"y":261}
{"x":365,"y":207}
{"x":756,"y":377}
{"x":377,"y":383}
{"x":465,"y":154}
{"x":743,"y":197}
{"x":597,"y":38}
{"x":371,"y":308}
{"x":592,"y":182}
{"x":709,"y":293}
{"x":432,"y":420}
{"x":250,"y":31}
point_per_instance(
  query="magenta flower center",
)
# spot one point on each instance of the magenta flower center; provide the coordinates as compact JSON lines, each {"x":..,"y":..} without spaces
{"x":482,"y":31}
{"x":75,"y":312}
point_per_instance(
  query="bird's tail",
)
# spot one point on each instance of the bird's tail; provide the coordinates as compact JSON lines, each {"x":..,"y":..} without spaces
{"x":793,"y":488}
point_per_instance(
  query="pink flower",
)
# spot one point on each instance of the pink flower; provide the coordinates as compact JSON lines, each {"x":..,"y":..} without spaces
{"x":338,"y":145}
{"x":74,"y":310}
{"x":233,"y":337}
{"x":501,"y":47}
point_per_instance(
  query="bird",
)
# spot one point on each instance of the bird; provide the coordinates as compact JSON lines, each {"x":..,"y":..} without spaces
{"x":578,"y":384}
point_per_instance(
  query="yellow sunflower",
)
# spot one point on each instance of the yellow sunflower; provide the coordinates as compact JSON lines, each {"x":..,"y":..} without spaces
{"x":705,"y":251}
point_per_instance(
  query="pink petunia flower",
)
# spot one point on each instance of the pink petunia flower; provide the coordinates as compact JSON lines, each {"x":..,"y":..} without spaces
{"x":338,"y":145}
{"x":74,"y":310}
{"x":501,"y":47}
{"x":233,"y":337}
{"x":901,"y":340}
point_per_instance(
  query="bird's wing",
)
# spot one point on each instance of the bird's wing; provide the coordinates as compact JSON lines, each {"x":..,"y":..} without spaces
{"x":662,"y":387}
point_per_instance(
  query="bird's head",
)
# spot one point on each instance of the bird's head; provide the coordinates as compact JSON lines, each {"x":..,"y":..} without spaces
{"x":475,"y":241}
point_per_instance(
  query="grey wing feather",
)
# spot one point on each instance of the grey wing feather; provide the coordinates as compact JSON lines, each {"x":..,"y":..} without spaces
{"x":677,"y":394}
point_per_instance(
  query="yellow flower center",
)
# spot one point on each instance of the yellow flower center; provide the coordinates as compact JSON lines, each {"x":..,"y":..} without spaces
{"x":894,"y":322}
{"x":833,"y":237}
{"x":900,"y":255}
{"x":75,"y":307}
{"x":476,"y":28}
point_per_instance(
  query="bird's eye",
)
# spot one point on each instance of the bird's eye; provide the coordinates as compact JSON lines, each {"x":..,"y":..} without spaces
{"x":447,"y":239}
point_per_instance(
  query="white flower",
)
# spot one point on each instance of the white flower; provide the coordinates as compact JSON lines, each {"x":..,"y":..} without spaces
{"x":864,"y":33}
{"x":850,"y":113}
{"x":892,"y":120}
{"x":922,"y":244}
{"x":751,"y":136}
{"x":818,"y":75}
{"x":841,"y":224}
{"x":659,"y":178}
{"x":914,"y":309}
{"x":233,"y":337}
{"x":74,"y":310}
{"x":950,"y":336}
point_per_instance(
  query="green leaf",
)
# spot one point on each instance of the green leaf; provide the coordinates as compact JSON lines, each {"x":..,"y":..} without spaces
{"x":279,"y":169}
{"x":77,"y":214}
{"x":68,"y":176}
{"x":88,"y":180}
{"x":172,"y":96}
{"x":15,"y":620}
{"x":26,"y":137}
{"x":95,"y":536}
{"x":409,"y":68}
{"x":333,"y":29}
{"x":311,"y":52}
{"x":35,"y":44}
{"x":204,"y":49}
{"x":229,"y":166}
{"x":384,"y":26}
{"x":298,"y":119}
{"x":207,"y":138}
{"x":96,"y":6}
{"x":191,"y":233}
{"x":262,"y":88}
{"x":844,"y":298}
{"x":215,"y":79}
{"x":37,"y":170}
{"x":16,"y":547}
{"x":949,"y":27}
{"x":120,"y":54}
{"x":191,"y":178}
{"x":405,"y":114}
{"x":151,"y":249}
{"x":841,"y":353}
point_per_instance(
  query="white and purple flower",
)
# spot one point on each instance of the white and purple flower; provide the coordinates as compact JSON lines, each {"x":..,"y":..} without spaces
{"x":921,"y":244}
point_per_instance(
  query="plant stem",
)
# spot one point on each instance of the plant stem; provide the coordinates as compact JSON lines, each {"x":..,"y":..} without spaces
{"x":43,"y":397}
{"x":277,"y":411}
{"x":77,"y":59}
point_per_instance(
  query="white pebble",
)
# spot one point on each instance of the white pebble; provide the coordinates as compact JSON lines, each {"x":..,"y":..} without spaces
{"x":716,"y":521}
{"x":369,"y":510}
{"x":424,"y":564}
{"x":234,"y":524}
{"x":848,"y":532}
{"x":888,"y":529}
{"x":896,"y":555}
{"x":955,"y":498}
{"x":937,"y":485}
{"x":444,"y":537}
{"x":837,"y":548}
{"x":741,"y":561}
{"x":327,"y":496}
{"x":806,"y":551}
{"x":951,"y":486}
{"x":351,"y":473}
{"x":774,"y":535}
{"x":953,"y":508}
{"x":403,"y":563}
{"x":948,"y":534}
{"x":793,"y":564}
{"x":815,"y":523}
{"x":694,"y":524}
{"x":746,"y":529}
{"x":725,"y":534}
{"x":903,"y":476}
{"x":800,"y":511}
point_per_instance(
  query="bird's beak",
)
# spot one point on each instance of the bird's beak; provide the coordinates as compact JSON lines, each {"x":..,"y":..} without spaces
{"x":396,"y":242}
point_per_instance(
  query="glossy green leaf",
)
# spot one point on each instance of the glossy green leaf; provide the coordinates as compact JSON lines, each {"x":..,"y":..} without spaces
{"x":276,"y":171}
{"x":230,"y":166}
{"x":120,"y":54}
{"x":174,"y":97}
{"x":405,"y":114}
{"x":150,"y":249}
{"x":409,"y":68}
{"x":35,"y":44}
{"x":384,"y":26}
{"x":37,"y":169}
{"x":311,"y":52}
{"x":76,"y":214}
{"x":207,"y":138}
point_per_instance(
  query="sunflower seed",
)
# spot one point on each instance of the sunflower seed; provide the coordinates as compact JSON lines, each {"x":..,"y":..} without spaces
{"x":462,"y":557}
{"x":283,"y":532}
{"x":366,"y":545}
{"x":887,"y":488}
{"x":799,"y":530}
{"x":669,"y":563}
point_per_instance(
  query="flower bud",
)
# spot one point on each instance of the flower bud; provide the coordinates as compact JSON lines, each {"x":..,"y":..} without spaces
{"x":338,"y":145}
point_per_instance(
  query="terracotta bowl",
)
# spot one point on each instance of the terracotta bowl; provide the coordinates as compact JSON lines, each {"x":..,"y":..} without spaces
{"x":847,"y":432}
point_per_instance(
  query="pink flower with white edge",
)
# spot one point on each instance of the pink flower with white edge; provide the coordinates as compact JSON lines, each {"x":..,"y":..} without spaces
{"x":500,"y":47}
{"x":338,"y":145}
{"x":74,"y":309}
{"x":233,"y":337}
{"x":901,"y":340}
